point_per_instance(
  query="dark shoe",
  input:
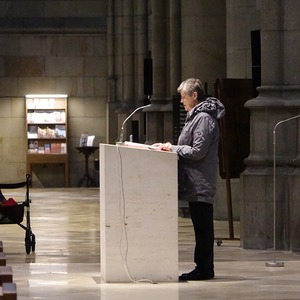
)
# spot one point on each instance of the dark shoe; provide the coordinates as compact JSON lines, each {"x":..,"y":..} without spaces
{"x":196,"y":275}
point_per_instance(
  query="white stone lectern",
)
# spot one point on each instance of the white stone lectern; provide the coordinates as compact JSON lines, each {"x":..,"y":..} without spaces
{"x":138,"y":214}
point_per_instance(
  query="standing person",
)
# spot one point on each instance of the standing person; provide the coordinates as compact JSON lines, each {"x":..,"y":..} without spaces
{"x":197,"y":150}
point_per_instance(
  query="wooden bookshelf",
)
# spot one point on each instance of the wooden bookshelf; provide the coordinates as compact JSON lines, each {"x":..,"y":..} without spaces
{"x":47,"y":131}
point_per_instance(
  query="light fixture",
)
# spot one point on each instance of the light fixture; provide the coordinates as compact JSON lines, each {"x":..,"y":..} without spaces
{"x":46,"y":96}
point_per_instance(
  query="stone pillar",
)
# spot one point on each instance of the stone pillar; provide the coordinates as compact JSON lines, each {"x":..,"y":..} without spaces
{"x":118,"y":48}
{"x":279,"y":99}
{"x":124,"y":49}
{"x":111,"y":117}
{"x":174,"y":70}
{"x":129,"y":50}
{"x":158,"y":42}
{"x":174,"y":48}
{"x":141,"y":52}
{"x":128,"y":55}
{"x":141,"y":46}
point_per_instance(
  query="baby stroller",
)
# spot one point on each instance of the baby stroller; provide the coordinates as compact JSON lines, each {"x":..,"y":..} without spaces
{"x":12,"y":212}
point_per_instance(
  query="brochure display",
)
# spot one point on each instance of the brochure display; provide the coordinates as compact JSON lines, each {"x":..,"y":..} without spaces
{"x":46,"y":131}
{"x":138,"y":214}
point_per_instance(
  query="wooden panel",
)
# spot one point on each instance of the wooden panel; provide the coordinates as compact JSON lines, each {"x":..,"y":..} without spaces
{"x":235,"y":126}
{"x":6,"y":274}
{"x":8,"y":291}
{"x":2,"y":259}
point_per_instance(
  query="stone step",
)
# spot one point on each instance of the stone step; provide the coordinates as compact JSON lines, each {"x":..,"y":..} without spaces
{"x":8,"y":291}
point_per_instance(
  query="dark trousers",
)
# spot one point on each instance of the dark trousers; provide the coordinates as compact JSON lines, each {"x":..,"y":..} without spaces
{"x":202,"y":218}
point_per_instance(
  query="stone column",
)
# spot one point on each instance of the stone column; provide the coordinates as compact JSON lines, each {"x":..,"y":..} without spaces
{"x":128,"y":55}
{"x":125,"y":61}
{"x":127,"y":46}
{"x":124,"y":57}
{"x":279,"y":99}
{"x":158,"y":49}
{"x":174,"y":70}
{"x":141,"y":47}
{"x":141,"y":52}
{"x":111,"y":117}
{"x":118,"y":48}
{"x":174,"y":49}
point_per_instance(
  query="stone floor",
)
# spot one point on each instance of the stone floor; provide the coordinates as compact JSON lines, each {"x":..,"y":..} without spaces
{"x":66,"y":262}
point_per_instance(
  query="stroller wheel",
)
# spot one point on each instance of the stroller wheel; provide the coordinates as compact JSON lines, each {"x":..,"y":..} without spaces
{"x":27,"y":242}
{"x":33,"y":242}
{"x":219,"y":242}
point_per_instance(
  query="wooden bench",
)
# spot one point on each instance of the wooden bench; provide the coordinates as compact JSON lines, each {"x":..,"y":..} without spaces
{"x":2,"y":259}
{"x":8,"y":291}
{"x":6,"y":274}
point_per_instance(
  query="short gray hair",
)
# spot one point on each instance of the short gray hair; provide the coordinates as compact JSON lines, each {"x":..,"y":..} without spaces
{"x":191,"y":85}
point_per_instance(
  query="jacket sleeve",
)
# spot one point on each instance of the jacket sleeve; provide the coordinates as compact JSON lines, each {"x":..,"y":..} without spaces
{"x":200,"y":136}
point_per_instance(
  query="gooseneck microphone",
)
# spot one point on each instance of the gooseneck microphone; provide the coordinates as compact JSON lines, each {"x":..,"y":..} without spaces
{"x":122,"y":128}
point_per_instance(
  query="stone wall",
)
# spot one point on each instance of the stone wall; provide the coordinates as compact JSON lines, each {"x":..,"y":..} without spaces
{"x":56,"y":47}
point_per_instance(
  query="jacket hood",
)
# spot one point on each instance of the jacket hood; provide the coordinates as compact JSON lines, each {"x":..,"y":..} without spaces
{"x":211,"y":106}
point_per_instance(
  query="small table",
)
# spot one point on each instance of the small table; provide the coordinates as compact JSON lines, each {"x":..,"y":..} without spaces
{"x":87,"y":151}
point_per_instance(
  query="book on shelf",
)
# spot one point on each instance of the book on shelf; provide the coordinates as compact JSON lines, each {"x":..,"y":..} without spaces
{"x":32,"y":132}
{"x":58,"y":148}
{"x":33,"y":103}
{"x":63,"y":148}
{"x":60,"y":131}
{"x":46,"y":132}
{"x":41,"y":150}
{"x":46,"y":117}
{"x":33,"y":147}
{"x":53,"y":148}
{"x":47,"y":148}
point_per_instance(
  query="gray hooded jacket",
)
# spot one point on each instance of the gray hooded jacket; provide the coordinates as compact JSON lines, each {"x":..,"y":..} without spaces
{"x":197,"y":150}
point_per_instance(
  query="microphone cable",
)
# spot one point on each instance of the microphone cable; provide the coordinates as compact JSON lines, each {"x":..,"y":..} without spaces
{"x":124,"y":234}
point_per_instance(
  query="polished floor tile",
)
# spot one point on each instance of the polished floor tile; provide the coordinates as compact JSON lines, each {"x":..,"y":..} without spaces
{"x":66,"y":262}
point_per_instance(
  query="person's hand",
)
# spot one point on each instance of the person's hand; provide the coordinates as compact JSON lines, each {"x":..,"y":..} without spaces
{"x":162,"y":146}
{"x":156,"y":146}
{"x":166,"y":146}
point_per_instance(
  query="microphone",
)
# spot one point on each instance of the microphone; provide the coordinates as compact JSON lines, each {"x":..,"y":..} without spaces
{"x":122,"y":127}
